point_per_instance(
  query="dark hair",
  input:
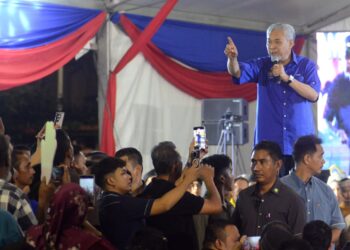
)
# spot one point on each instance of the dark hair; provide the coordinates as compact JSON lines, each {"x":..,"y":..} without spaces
{"x":131,"y":153}
{"x":271,"y":147}
{"x":76,"y":150}
{"x":104,"y":167}
{"x":318,"y":234}
{"x":148,"y":239}
{"x":214,"y":231}
{"x":4,"y":152}
{"x":94,"y":157}
{"x":63,"y":147}
{"x":274,"y":234}
{"x":16,"y":152}
{"x":305,"y":145}
{"x":164,"y":156}
{"x":295,"y":244}
{"x":220,"y":163}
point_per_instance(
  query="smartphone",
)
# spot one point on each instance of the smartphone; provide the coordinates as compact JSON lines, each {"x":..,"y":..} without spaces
{"x":199,"y":137}
{"x":87,"y":182}
{"x":58,"y":120}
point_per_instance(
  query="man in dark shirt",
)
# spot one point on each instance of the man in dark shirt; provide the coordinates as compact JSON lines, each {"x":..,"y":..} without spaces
{"x":121,"y":215}
{"x":269,"y":199}
{"x":177,"y":224}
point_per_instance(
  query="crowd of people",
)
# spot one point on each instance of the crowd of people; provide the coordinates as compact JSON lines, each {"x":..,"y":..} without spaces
{"x":257,"y":210}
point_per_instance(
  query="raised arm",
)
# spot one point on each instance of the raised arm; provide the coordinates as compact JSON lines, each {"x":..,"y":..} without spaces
{"x":232,"y":63}
{"x":168,"y":200}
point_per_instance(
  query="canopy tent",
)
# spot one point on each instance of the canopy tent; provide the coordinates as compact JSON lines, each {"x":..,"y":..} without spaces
{"x":146,"y":120}
{"x":37,"y":39}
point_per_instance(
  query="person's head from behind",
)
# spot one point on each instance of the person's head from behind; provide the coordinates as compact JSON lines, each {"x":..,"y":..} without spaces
{"x":64,"y":152}
{"x":266,"y":161}
{"x":166,"y":160}
{"x":295,"y":244}
{"x":221,"y":234}
{"x":222,"y":165}
{"x":344,"y":187}
{"x":21,"y":165}
{"x":308,"y":153}
{"x":5,"y":158}
{"x":318,"y":234}
{"x":148,"y":238}
{"x":239,"y":183}
{"x":112,"y":175}
{"x":274,"y":234}
{"x":133,"y":159}
{"x":280,"y":41}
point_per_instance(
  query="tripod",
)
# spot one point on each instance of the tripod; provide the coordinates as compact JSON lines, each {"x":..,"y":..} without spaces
{"x":227,"y":136}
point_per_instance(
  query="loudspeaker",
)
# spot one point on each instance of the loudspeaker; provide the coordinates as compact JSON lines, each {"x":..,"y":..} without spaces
{"x":213,"y":131}
{"x":215,"y":109}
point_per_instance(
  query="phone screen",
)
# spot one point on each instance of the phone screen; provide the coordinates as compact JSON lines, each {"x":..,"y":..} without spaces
{"x":58,"y":120}
{"x":87,"y":182}
{"x":199,"y":137}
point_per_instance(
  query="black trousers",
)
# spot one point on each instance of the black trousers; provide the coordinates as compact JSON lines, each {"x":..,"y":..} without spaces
{"x":288,"y":165}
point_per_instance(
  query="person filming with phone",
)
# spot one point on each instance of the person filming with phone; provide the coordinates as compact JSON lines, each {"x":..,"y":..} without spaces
{"x":177,"y":224}
{"x":287,"y":84}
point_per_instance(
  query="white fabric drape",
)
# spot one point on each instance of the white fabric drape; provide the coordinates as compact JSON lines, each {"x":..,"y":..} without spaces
{"x":150,"y":110}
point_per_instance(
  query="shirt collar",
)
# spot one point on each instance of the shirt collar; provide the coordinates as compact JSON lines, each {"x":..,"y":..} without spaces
{"x":295,"y":58}
{"x":299,"y":182}
{"x":275,"y":189}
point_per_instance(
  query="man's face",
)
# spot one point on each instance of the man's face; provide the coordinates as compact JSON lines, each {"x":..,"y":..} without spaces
{"x":345,"y":190}
{"x":231,"y":241}
{"x":278,"y":46}
{"x":25,"y":171}
{"x":121,"y":180}
{"x":227,"y":178}
{"x":264,"y":168}
{"x":316,"y":160}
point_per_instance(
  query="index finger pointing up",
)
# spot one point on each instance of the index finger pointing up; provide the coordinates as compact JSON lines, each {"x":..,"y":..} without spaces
{"x":229,"y":39}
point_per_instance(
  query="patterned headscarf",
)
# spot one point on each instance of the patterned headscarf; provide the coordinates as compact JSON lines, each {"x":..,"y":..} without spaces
{"x":62,"y":229}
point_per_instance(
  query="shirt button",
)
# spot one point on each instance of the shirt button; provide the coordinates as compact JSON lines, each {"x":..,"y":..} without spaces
{"x":284,"y":104}
{"x":258,"y":226}
{"x":260,"y":214}
{"x":284,"y":116}
{"x":284,"y":91}
{"x":308,"y":213}
{"x":284,"y":128}
{"x":262,"y":200}
{"x":308,"y":200}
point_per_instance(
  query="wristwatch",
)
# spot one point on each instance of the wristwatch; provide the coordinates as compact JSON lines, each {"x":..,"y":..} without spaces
{"x":290,"y":79}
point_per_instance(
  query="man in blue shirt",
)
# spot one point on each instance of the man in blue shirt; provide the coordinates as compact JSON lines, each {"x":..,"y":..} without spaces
{"x":287,"y":83}
{"x":319,"y":199}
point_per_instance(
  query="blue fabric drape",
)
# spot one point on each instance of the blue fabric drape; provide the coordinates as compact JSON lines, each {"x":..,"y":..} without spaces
{"x":202,"y":46}
{"x":28,"y":24}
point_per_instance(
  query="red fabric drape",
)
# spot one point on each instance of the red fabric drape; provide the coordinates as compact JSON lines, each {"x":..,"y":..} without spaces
{"x":18,"y":67}
{"x":107,"y":137}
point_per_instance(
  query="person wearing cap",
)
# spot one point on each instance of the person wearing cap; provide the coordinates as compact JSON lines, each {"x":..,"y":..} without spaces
{"x":287,"y":85}
{"x":337,"y":109}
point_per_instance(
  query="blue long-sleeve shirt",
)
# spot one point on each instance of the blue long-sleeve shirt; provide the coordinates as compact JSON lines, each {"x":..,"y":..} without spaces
{"x":282,"y":115}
